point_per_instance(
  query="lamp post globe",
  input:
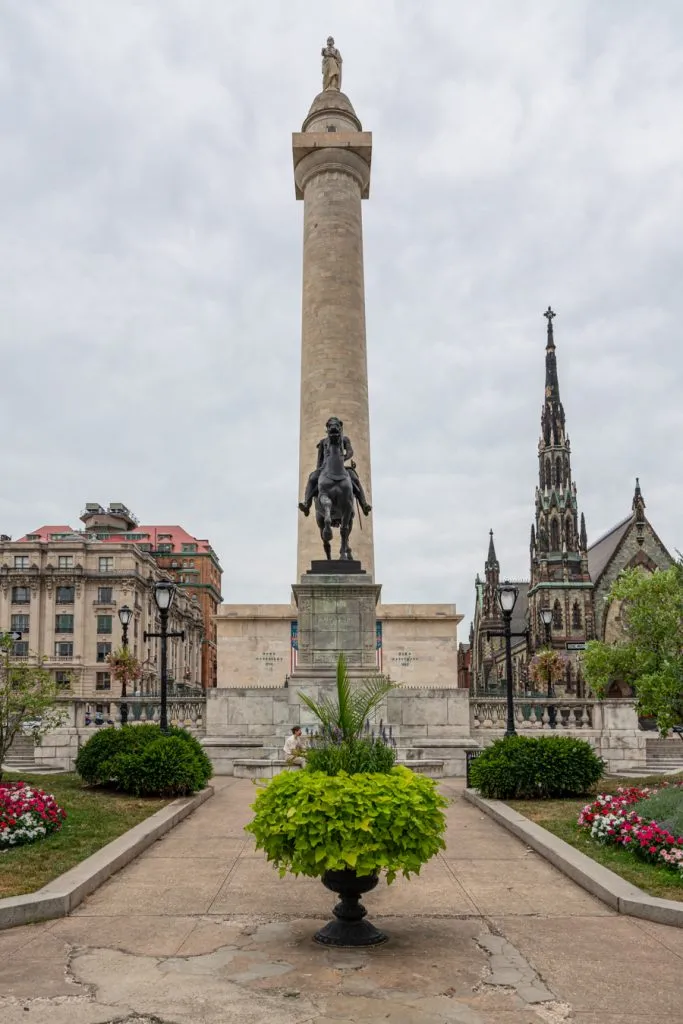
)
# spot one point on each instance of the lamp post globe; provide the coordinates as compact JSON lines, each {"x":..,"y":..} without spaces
{"x":507,"y":597}
{"x":164,"y":593}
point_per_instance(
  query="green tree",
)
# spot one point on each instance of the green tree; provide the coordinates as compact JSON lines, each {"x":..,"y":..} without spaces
{"x":650,"y":657}
{"x":28,"y":699}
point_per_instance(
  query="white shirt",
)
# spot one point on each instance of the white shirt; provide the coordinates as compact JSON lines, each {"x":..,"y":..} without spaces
{"x":292,"y":744}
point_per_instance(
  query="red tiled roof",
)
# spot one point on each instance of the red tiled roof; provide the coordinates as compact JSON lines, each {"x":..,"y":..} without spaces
{"x":47,"y":531}
{"x":174,"y":535}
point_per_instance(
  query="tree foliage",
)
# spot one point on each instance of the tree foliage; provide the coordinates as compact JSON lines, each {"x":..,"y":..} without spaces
{"x":28,"y":699}
{"x":650,"y":656}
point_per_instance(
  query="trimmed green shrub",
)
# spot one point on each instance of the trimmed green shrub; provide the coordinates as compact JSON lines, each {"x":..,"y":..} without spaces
{"x":350,"y":756}
{"x":309,"y":823}
{"x":536,"y":767}
{"x":664,"y":807}
{"x":166,"y":767}
{"x":116,"y":755}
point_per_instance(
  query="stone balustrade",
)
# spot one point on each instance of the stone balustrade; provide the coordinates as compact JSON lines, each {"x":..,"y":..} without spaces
{"x":610,"y":726}
{"x":569,"y":713}
{"x":186,"y":712}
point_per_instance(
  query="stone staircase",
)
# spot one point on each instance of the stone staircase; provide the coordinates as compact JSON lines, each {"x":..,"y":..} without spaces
{"x":662,"y":757}
{"x":20,"y":758}
{"x":262,"y":758}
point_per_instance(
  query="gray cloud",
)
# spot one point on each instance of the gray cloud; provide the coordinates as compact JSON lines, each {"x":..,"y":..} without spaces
{"x":150,"y":268}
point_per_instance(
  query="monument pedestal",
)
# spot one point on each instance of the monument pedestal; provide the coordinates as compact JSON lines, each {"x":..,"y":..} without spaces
{"x":337,"y":614}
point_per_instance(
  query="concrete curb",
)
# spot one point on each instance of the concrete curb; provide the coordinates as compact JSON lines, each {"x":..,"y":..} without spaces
{"x":60,"y":896}
{"x":594,"y":878}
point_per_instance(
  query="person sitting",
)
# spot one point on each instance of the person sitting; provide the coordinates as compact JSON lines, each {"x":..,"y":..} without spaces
{"x":294,"y":746}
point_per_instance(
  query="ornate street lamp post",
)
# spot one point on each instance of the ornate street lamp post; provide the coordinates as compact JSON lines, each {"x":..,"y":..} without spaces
{"x":164,"y":593}
{"x":547,"y":616}
{"x":125,"y":617}
{"x":507,"y":596}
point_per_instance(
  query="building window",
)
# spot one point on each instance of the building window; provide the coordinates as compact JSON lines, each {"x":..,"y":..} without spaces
{"x":21,"y":561}
{"x":21,"y":595}
{"x":103,"y":651}
{"x":103,"y":681}
{"x":64,"y":650}
{"x":569,"y":534}
{"x":106,"y":563}
{"x":63,"y":679}
{"x":104,"y":623}
{"x":65,"y":562}
{"x":20,"y":623}
{"x":165,"y":547}
{"x":189,"y":547}
{"x":557,"y":615}
{"x":64,"y":623}
{"x":105,"y":595}
{"x":576,"y":616}
{"x":66,"y":595}
{"x":20,"y":649}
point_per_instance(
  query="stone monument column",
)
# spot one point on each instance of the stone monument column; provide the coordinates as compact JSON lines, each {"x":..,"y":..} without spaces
{"x":332,"y":175}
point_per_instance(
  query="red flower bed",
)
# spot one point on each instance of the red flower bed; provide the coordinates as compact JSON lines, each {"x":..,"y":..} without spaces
{"x":27,"y":814}
{"x":611,"y":821}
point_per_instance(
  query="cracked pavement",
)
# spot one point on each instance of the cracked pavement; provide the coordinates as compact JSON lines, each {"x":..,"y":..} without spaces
{"x":201,"y":930}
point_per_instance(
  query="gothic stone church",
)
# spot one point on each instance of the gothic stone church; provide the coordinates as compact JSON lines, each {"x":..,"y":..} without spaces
{"x":567,"y":575}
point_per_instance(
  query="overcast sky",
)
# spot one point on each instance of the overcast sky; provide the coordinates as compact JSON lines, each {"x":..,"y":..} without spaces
{"x":524,"y":153}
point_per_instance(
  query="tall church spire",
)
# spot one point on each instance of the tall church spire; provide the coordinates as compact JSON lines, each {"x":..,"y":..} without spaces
{"x":491,"y":561}
{"x":492,"y":579}
{"x":558,"y":538}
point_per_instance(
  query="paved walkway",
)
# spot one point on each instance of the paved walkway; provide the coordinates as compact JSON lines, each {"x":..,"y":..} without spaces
{"x":200,"y":930}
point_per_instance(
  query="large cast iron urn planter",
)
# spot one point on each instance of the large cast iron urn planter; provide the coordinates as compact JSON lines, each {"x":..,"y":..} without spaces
{"x":349,"y":927}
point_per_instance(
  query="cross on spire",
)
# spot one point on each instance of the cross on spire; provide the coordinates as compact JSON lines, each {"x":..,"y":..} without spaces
{"x":549,"y":314}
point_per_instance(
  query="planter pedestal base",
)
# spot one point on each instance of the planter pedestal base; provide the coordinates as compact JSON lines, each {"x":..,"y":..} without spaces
{"x":349,"y":928}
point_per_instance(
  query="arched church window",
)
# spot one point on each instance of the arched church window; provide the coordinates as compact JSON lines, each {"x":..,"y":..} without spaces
{"x":557,"y":615}
{"x":554,"y":535}
{"x":576,"y":615}
{"x":558,"y":471}
{"x":569,"y":533}
{"x":542,"y":467}
{"x":548,"y":480}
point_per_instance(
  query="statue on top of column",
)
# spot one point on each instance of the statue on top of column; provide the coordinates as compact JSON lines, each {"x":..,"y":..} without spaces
{"x":332,"y":66}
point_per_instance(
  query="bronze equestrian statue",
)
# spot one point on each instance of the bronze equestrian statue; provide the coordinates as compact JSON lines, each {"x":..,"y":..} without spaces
{"x":334,"y":486}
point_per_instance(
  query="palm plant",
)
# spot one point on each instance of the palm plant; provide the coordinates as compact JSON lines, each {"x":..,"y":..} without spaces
{"x":347,"y":717}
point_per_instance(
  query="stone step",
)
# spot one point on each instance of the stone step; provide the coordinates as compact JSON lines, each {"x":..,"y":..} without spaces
{"x":266,"y":768}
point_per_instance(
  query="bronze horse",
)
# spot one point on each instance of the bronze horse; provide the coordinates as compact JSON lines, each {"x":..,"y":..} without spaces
{"x":334,"y":501}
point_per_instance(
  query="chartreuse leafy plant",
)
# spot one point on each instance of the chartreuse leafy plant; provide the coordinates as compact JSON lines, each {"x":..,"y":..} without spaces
{"x":536,"y":767}
{"x":309,"y":823}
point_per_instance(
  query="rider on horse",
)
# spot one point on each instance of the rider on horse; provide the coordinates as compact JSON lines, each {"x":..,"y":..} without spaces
{"x":312,"y":485}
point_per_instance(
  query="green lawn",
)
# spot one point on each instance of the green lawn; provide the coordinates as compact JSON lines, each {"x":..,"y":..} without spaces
{"x":95,"y":816}
{"x":560,"y":816}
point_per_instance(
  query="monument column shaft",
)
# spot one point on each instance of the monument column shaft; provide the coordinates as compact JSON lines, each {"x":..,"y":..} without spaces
{"x":334,"y":373}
